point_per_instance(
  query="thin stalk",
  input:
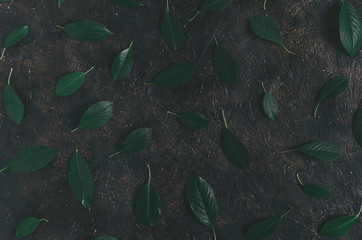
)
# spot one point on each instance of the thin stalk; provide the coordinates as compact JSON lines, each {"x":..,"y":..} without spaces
{"x":198,"y":12}
{"x":75,"y":129}
{"x":58,"y":26}
{"x":89,"y":70}
{"x":290,"y":150}
{"x":168,"y":9}
{"x":286,"y":212}
{"x":148,"y":84}
{"x":2,"y":53}
{"x":360,"y":210}
{"x":1,"y":170}
{"x":315,"y":111}
{"x":11,"y":72}
{"x":264,"y":5}
{"x":262,"y":84}
{"x":130,"y":45}
{"x":299,"y":179}
{"x":223,"y":116}
{"x":172,"y":113}
{"x":114,"y":154}
{"x":213,"y":232}
{"x":216,"y":41}
{"x":149,"y":173}
{"x":43,"y":219}
{"x":286,"y":49}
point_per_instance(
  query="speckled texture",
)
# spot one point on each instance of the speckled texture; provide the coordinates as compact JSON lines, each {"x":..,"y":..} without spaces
{"x":310,"y":28}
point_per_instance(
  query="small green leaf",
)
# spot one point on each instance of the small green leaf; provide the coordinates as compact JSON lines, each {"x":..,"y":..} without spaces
{"x":136,"y":141}
{"x":264,"y":228}
{"x":224,"y":65}
{"x":87,"y":31}
{"x":171,"y":30}
{"x":104,"y":238}
{"x":270,"y":105}
{"x":13,"y":37}
{"x":31,"y":159}
{"x":192,"y":120}
{"x":322,"y":150}
{"x":337,"y":227}
{"x":12,"y":103}
{"x":27,"y":226}
{"x":148,"y":205}
{"x":122,"y":64}
{"x":60,"y":2}
{"x":175,"y":74}
{"x":235,"y":151}
{"x":128,"y":3}
{"x":96,"y":115}
{"x":350,"y":28}
{"x":70,"y":83}
{"x":202,"y":201}
{"x":331,"y":89}
{"x":264,"y":27}
{"x":312,"y":190}
{"x":357,"y":127}
{"x":80,"y":179}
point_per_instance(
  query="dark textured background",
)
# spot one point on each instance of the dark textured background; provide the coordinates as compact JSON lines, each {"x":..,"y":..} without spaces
{"x":309,"y":27}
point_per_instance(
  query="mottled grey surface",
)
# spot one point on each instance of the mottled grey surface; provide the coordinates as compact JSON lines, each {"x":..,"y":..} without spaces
{"x":310,"y":28}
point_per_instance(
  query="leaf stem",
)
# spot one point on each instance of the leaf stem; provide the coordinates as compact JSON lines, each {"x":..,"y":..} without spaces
{"x":299,"y":179}
{"x":290,"y":150}
{"x":43,"y":219}
{"x":149,"y":173}
{"x":223,"y":117}
{"x":264,"y":5}
{"x":58,"y":26}
{"x":1,"y":170}
{"x":216,"y":41}
{"x":89,"y":70}
{"x":213,"y":232}
{"x":2,"y":53}
{"x":11,"y":72}
{"x":130,"y":45}
{"x":262,"y":84}
{"x":315,"y":111}
{"x":148,"y":84}
{"x":286,"y":49}
{"x":198,"y":12}
{"x":168,"y":9}
{"x":360,"y":210}
{"x":114,"y":154}
{"x":172,"y":113}
{"x":286,"y":212}
{"x":75,"y":129}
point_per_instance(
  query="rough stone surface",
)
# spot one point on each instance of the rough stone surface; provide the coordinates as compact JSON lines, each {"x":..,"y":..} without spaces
{"x":270,"y":188}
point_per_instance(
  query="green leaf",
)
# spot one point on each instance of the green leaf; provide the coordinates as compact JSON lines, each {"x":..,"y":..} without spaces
{"x":104,"y":238}
{"x":96,"y":115}
{"x":80,"y":179}
{"x":224,"y":65}
{"x":264,"y":228}
{"x":331,"y":89}
{"x":264,"y":27}
{"x":322,"y":150}
{"x":122,"y":64}
{"x":5,"y":0}
{"x":175,"y":74}
{"x":357,"y":127}
{"x":350,"y":28}
{"x":192,"y":120}
{"x":31,"y":159}
{"x":129,"y":3}
{"x":148,"y":205}
{"x":27,"y":226}
{"x":13,"y":37}
{"x":312,"y":190}
{"x":337,"y":227}
{"x":87,"y":31}
{"x":136,"y":141}
{"x":171,"y":30}
{"x":214,"y":5}
{"x":70,"y":83}
{"x":60,"y":2}
{"x":270,"y":105}
{"x":12,"y":103}
{"x":235,"y":151}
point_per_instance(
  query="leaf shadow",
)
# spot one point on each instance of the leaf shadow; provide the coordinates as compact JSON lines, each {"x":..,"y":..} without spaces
{"x":332,"y":26}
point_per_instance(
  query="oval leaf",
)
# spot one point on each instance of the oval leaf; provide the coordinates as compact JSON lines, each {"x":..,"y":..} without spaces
{"x":60,"y":2}
{"x":350,"y":28}
{"x":13,"y":37}
{"x":31,"y":159}
{"x":270,"y":105}
{"x":357,"y":127}
{"x":13,"y":105}
{"x":123,"y":63}
{"x":80,"y":179}
{"x":87,"y":31}
{"x":148,"y":205}
{"x":104,"y":238}
{"x":27,"y":226}
{"x":70,"y":83}
{"x":129,"y":3}
{"x":312,"y":190}
{"x":235,"y":151}
{"x":171,"y":30}
{"x":214,"y":5}
{"x":175,"y":74}
{"x":224,"y":65}
{"x":194,"y":120}
{"x":97,"y":115}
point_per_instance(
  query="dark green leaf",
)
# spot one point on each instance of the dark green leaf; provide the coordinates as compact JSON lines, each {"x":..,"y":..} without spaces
{"x":148,"y":205}
{"x":322,"y":150}
{"x":331,"y":89}
{"x":104,"y":238}
{"x":97,"y":115}
{"x":357,"y":127}
{"x":27,"y":226}
{"x":60,"y":2}
{"x":136,"y":141}
{"x":87,"y":31}
{"x":350,"y":28}
{"x":171,"y":30}
{"x":202,"y":201}
{"x":5,"y":0}
{"x":214,"y":5}
{"x":224,"y":65}
{"x":312,"y":190}
{"x":31,"y":159}
{"x":13,"y":106}
{"x":235,"y":151}
{"x":264,"y":27}
{"x":13,"y":37}
{"x":129,"y":3}
{"x":122,"y":64}
{"x":70,"y":83}
{"x":270,"y":105}
{"x":175,"y":74}
{"x":80,"y":179}
{"x":192,"y":120}
{"x":263,"y":228}
{"x":337,"y":227}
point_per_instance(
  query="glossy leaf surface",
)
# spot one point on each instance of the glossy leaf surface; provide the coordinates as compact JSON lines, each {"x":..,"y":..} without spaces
{"x":214,"y":5}
{"x":27,"y":226}
{"x":224,"y":65}
{"x":87,"y":31}
{"x":270,"y":105}
{"x":70,"y":83}
{"x":128,"y":3}
{"x":12,"y":103}
{"x":15,"y":36}
{"x":122,"y":64}
{"x":312,"y":190}
{"x":357,"y":127}
{"x":171,"y":30}
{"x":175,"y":74}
